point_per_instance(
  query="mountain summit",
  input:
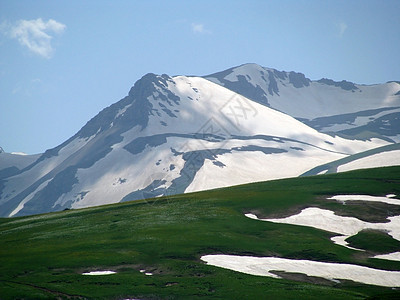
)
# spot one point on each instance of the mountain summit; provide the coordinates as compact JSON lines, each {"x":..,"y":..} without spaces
{"x":181,"y":134}
{"x":344,"y":108}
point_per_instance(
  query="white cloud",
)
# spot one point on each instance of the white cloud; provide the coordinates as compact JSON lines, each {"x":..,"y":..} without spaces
{"x":342,"y":26}
{"x":199,"y":28}
{"x":36,"y":35}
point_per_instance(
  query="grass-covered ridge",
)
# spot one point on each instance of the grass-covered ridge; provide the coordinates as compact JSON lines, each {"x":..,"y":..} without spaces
{"x":43,"y":256}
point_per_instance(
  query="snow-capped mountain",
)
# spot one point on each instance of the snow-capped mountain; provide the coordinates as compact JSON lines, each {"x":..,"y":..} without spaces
{"x":344,"y":108}
{"x":181,"y":134}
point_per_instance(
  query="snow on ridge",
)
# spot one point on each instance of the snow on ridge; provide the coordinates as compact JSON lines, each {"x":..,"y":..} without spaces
{"x":19,"y":161}
{"x":321,"y":100}
{"x":360,"y":120}
{"x":19,"y":153}
{"x":251,"y":72}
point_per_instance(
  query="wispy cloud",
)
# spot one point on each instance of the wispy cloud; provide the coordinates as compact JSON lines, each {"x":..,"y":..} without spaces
{"x":27,"y":88}
{"x":342,"y":27}
{"x":36,"y":35}
{"x":199,"y":28}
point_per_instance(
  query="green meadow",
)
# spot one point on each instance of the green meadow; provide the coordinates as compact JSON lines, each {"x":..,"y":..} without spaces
{"x":44,"y":256}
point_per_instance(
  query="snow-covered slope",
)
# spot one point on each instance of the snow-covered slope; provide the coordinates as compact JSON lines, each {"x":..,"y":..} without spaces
{"x":378,"y":157}
{"x":353,"y":110}
{"x":12,"y":163}
{"x":168,"y":136}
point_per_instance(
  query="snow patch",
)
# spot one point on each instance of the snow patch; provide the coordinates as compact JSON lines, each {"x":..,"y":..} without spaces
{"x":96,"y":273}
{"x":263,"y":266}
{"x":390,"y":256}
{"x":346,"y":226}
{"x":146,"y":273}
{"x":19,"y":153}
{"x":341,"y":240}
{"x":388,"y":199}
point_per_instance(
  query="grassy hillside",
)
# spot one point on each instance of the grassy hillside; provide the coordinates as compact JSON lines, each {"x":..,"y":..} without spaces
{"x":44,"y":256}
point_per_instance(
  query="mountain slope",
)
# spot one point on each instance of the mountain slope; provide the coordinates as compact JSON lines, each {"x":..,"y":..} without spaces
{"x":357,"y":111}
{"x":172,"y":135}
{"x":379,"y":157}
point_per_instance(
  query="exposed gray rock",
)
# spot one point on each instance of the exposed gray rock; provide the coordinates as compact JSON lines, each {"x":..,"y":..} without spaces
{"x":345,"y":85}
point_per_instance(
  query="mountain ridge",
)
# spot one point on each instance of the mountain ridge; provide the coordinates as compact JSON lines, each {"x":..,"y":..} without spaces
{"x":186,"y":133}
{"x":311,"y":101}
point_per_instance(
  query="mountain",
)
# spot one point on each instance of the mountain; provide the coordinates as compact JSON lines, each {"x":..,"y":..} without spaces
{"x":179,"y":134}
{"x":341,"y":108}
{"x":12,"y":163}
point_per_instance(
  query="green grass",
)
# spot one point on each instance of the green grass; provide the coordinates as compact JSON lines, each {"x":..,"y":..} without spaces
{"x":374,"y":241}
{"x":43,"y":256}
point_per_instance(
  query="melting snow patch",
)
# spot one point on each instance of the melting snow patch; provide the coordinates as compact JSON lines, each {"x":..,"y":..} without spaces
{"x":388,"y":199}
{"x":390,"y":256}
{"x":252,"y":216}
{"x":341,"y":240}
{"x":99,"y":273}
{"x":327,"y":220}
{"x":146,"y":273}
{"x":345,"y":226}
{"x":263,"y":265}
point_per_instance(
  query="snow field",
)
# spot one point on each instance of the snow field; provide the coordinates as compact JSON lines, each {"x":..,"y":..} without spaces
{"x":252,"y":166}
{"x":346,"y":226}
{"x":317,"y":99}
{"x":383,"y":159}
{"x":16,"y":160}
{"x":389,"y":256}
{"x":325,"y":220}
{"x":262,"y":266}
{"x":389,"y":199}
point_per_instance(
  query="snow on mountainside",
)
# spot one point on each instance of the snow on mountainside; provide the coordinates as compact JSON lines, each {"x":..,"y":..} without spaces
{"x":378,"y":157}
{"x":345,"y":108}
{"x":12,"y":163}
{"x":175,"y":135}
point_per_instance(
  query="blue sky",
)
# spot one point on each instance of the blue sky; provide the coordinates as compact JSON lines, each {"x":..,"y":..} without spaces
{"x":62,"y":62}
